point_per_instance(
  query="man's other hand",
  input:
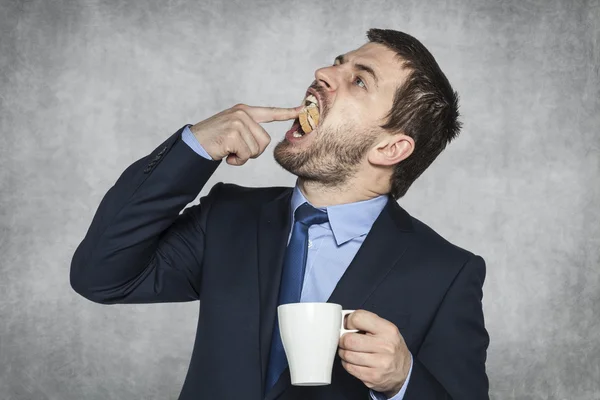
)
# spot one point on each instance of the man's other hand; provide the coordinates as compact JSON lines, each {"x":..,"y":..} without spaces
{"x":379,"y":357}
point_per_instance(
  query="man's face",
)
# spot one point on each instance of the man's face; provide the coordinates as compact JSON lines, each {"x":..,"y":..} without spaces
{"x":354,"y":95}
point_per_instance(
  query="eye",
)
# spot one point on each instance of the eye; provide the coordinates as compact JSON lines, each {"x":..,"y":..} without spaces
{"x":358,"y":78}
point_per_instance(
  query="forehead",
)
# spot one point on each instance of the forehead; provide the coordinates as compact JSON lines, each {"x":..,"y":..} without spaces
{"x":383,"y":60}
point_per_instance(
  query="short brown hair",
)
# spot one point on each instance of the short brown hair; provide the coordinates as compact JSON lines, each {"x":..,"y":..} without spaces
{"x":425,"y":107}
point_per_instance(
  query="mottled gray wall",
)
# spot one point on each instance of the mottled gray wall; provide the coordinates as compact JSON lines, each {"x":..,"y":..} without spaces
{"x":88,"y":87}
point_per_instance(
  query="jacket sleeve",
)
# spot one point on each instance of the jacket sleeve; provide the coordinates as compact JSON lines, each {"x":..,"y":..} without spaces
{"x":139,"y":248}
{"x":450,"y":363}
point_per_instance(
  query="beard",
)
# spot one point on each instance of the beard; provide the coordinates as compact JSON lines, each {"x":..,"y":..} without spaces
{"x":331,"y":160}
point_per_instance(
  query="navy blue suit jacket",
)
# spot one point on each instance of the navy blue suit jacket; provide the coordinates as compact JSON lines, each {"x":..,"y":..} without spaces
{"x":227,"y":251}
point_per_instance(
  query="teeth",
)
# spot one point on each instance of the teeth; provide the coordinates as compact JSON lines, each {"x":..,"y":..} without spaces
{"x":297,"y":134}
{"x":311,"y":99}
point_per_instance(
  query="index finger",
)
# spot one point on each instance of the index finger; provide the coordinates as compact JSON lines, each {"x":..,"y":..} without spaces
{"x":269,"y":114}
{"x":367,"y":321}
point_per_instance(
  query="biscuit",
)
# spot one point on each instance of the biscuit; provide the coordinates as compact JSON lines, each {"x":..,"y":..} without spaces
{"x":303,"y":117}
{"x":313,"y":111}
{"x":309,"y":118}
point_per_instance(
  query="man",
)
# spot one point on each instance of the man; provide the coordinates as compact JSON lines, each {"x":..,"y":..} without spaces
{"x":384,"y":113}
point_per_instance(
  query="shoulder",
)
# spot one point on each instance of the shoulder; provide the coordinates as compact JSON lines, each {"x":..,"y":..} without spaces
{"x":433,"y":248}
{"x":427,"y":234}
{"x":233,"y":192}
{"x":446,"y":260}
{"x":231,"y":195}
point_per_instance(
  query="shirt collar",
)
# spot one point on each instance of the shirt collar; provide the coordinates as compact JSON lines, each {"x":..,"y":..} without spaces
{"x":347,"y":221}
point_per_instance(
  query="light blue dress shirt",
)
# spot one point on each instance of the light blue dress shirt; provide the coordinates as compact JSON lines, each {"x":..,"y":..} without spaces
{"x":331,"y":245}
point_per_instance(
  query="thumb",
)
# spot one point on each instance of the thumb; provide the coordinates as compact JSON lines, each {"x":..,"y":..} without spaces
{"x":233,"y":159}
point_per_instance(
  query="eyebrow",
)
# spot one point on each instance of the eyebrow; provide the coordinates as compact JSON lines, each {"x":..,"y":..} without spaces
{"x":361,"y":67}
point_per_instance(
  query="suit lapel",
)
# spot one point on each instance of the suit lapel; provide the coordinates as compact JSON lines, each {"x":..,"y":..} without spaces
{"x":273,"y":230}
{"x":381,"y":250}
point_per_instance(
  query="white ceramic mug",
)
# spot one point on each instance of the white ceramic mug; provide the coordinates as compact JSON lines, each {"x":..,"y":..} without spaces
{"x":310,"y":334}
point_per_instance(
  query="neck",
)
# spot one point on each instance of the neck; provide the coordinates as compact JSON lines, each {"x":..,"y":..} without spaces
{"x":354,"y":190}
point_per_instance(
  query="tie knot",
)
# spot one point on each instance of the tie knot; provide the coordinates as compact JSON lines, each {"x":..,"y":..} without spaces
{"x":308,"y":215}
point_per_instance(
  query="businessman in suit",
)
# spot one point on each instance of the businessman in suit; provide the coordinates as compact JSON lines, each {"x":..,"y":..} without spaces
{"x":385,"y":112}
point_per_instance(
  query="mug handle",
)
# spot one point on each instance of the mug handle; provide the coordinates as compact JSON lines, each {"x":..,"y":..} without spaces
{"x":342,"y":329}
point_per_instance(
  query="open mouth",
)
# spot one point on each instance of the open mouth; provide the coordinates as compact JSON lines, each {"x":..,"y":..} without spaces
{"x":308,"y":119}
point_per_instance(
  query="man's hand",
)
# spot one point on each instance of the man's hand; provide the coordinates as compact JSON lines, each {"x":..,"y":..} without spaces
{"x":235,"y":133}
{"x":379,"y":357}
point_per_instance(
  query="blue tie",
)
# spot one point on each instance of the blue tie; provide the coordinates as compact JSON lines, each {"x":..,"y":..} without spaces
{"x":292,"y":278}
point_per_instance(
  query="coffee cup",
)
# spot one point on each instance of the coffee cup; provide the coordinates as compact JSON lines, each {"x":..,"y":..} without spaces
{"x":310,"y":334}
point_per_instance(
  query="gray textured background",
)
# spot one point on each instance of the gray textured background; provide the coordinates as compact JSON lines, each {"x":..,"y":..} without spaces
{"x":88,"y":87}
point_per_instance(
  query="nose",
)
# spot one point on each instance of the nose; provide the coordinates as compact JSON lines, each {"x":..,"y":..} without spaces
{"x":327,"y":78}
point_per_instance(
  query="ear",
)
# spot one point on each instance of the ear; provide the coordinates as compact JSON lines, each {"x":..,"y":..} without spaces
{"x":391,"y":150}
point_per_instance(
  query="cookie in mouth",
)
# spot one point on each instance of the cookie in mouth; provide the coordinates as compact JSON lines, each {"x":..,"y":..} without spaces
{"x":309,"y":116}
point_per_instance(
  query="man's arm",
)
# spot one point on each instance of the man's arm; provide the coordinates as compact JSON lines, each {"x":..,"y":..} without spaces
{"x":451,"y":361}
{"x":138,"y":248}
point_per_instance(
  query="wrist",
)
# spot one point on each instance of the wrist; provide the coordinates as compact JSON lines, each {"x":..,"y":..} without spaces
{"x":206,"y":147}
{"x":391,"y":393}
{"x":398,"y":387}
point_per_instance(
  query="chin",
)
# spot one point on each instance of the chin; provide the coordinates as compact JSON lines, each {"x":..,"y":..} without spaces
{"x":286,"y":156}
{"x":306,"y":167}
